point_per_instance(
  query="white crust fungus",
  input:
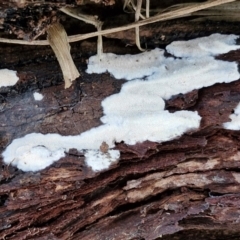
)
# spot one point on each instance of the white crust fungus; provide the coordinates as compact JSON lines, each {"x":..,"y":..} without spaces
{"x":8,"y":77}
{"x":235,"y":120}
{"x":137,"y":113}
{"x":37,"y":96}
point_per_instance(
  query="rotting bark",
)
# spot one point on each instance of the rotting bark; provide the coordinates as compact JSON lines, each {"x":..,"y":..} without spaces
{"x":181,"y":189}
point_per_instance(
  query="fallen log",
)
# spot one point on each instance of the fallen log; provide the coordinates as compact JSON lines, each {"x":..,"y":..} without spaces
{"x":184,"y":188}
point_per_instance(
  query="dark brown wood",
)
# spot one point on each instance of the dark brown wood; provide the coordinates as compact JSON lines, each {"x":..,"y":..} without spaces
{"x":182,"y":189}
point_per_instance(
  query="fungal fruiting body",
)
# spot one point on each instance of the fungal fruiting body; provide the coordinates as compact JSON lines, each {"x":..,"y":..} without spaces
{"x":8,"y":77}
{"x":137,"y":113}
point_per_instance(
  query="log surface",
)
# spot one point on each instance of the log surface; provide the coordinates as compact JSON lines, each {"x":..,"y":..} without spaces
{"x":182,"y":189}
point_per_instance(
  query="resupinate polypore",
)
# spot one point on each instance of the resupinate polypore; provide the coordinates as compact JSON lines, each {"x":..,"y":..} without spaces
{"x":137,"y":113}
{"x":8,"y":77}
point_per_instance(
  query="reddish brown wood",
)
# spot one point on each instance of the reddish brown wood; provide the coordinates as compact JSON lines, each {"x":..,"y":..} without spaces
{"x":182,"y":189}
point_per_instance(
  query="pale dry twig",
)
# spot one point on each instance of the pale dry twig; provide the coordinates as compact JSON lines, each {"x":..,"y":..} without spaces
{"x":160,"y":17}
{"x":58,"y":40}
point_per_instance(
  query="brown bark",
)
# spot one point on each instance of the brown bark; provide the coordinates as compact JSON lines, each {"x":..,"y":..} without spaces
{"x":182,"y":189}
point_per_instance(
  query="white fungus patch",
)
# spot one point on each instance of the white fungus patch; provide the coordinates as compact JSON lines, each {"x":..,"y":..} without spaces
{"x":137,"y":113}
{"x":36,"y":157}
{"x":205,"y":46}
{"x":196,"y":58}
{"x":8,"y":77}
{"x":184,"y":75}
{"x":99,"y":160}
{"x":37,"y":96}
{"x":127,"y":66}
{"x":235,"y":120}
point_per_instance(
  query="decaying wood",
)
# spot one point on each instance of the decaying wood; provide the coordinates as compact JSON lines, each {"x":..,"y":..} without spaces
{"x":182,"y":189}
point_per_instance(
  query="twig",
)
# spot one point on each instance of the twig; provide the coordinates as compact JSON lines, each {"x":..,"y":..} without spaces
{"x":76,"y":13}
{"x":147,"y":8}
{"x":135,"y":9}
{"x":161,"y":17}
{"x":57,"y":38}
{"x":137,"y":15}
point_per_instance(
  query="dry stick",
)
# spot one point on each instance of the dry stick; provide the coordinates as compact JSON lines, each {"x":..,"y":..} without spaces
{"x":99,"y":43}
{"x":125,"y":4}
{"x":58,"y":40}
{"x":227,"y":9}
{"x":227,"y":12}
{"x":134,"y":7}
{"x":161,"y":17}
{"x":76,"y":13}
{"x":137,"y":15}
{"x":147,"y":8}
